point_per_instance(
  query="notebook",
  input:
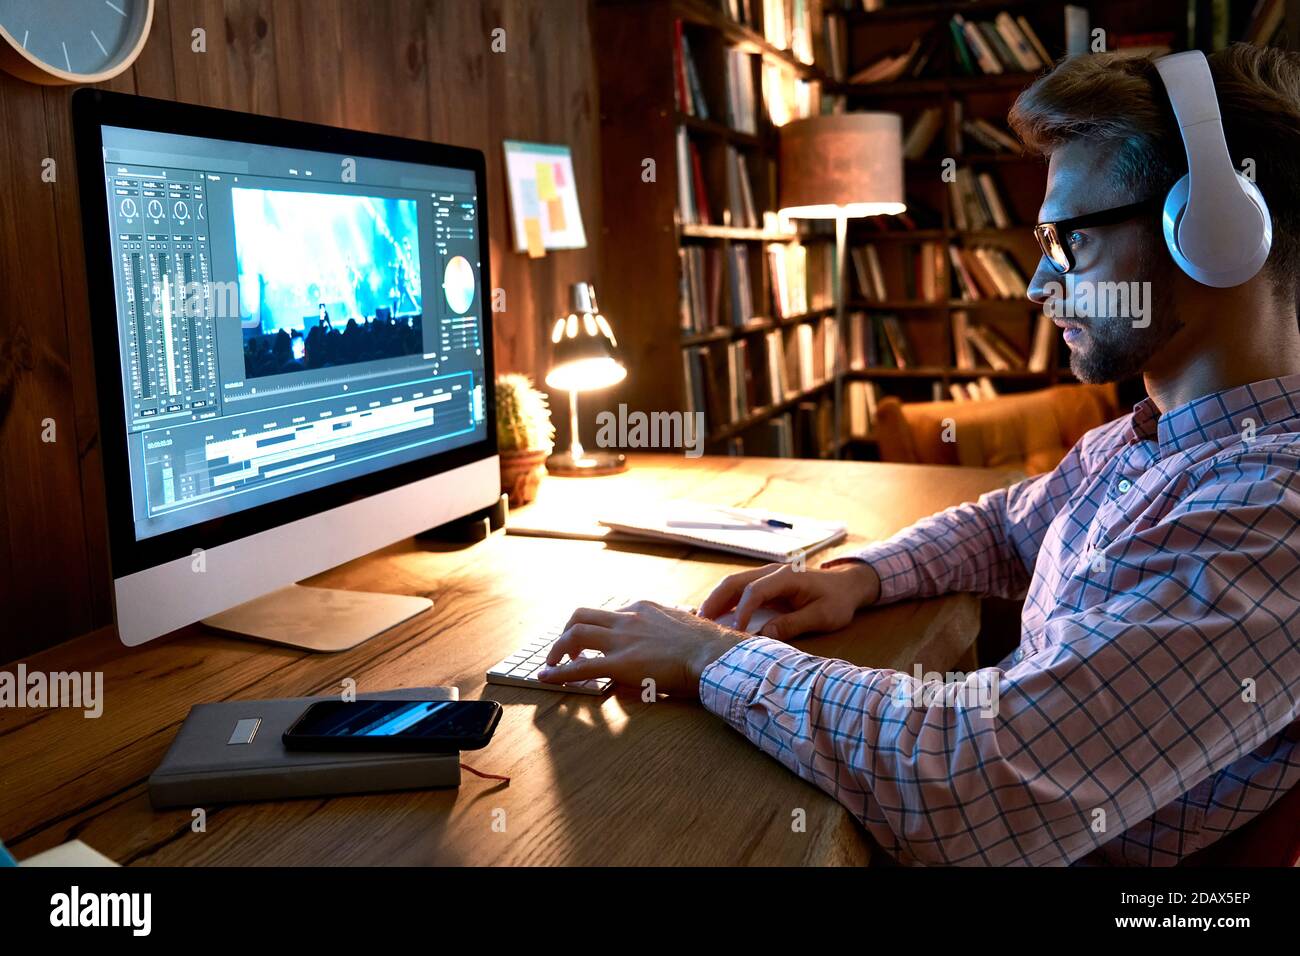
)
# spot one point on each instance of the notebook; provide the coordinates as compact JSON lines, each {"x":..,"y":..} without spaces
{"x":231,"y":751}
{"x":803,"y":537}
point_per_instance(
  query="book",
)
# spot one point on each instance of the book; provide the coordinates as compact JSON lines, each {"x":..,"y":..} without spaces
{"x":804,"y":342}
{"x":740,"y":194}
{"x":1017,"y":43}
{"x":922,"y":132}
{"x":1034,"y":41}
{"x":685,"y":179}
{"x":965,"y":59}
{"x":1040,"y":352}
{"x":700,"y":195}
{"x":993,"y":201}
{"x":778,"y":386}
{"x":680,"y":98}
{"x":1004,"y":55}
{"x":741,"y":113}
{"x":698,"y":105}
{"x":1077,"y":33}
{"x":979,"y":47}
{"x":804,"y":536}
{"x":991,"y":137}
{"x":742,"y":305}
{"x":975,"y":334}
{"x":860,"y":398}
{"x":887,"y":68}
{"x":201,"y":767}
{"x":899,"y":347}
{"x":1266,"y":22}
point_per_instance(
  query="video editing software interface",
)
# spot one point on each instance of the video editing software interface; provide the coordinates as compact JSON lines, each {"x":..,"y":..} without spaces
{"x":288,"y":318}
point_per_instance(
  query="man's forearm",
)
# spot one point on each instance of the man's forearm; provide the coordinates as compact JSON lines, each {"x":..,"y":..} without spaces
{"x":972,"y":547}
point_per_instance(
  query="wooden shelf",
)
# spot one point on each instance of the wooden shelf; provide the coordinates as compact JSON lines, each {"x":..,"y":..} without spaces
{"x":899,"y":305}
{"x":934,"y":84}
{"x":995,"y":232}
{"x":760,"y":415}
{"x":886,"y":371}
{"x":945,"y":372}
{"x":730,"y":333}
{"x":942,"y":305}
{"x":703,"y":13}
{"x":1017,"y":303}
{"x":927,"y":11}
{"x":927,"y":163}
{"x":707,"y":231}
{"x":720,"y":131}
{"x":860,"y":237}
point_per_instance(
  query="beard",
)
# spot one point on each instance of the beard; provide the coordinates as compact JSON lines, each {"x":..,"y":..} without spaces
{"x":1112,"y":348}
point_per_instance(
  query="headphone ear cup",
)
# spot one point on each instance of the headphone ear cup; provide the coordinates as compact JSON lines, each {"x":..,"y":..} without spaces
{"x":1219,"y":274}
{"x":1172,"y":216}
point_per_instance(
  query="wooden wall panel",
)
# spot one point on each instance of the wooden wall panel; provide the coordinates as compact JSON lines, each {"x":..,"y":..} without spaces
{"x":418,"y":68}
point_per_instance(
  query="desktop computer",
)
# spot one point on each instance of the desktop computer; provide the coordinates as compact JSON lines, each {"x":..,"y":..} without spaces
{"x":293,"y":348}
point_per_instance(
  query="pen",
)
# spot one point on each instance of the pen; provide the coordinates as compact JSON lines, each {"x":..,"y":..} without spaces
{"x":713,"y":525}
{"x":750,"y":524}
{"x":768,"y":522}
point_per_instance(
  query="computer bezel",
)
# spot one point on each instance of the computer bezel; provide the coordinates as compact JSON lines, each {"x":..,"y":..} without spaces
{"x":93,"y":109}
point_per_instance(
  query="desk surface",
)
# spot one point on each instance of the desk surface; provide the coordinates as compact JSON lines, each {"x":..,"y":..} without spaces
{"x":595,"y":781}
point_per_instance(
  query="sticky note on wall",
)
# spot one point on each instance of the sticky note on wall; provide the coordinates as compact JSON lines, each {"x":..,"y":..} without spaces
{"x":533,"y":237}
{"x":546,"y":182}
{"x":555,"y":214}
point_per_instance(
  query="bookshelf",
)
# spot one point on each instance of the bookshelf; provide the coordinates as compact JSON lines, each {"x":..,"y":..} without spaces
{"x":653,"y":244}
{"x":933,"y":320}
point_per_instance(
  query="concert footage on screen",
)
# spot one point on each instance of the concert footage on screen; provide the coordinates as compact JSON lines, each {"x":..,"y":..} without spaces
{"x":325,"y":279}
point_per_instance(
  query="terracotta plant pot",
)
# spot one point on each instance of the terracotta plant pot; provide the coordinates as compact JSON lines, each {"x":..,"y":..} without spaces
{"x":521,"y":473}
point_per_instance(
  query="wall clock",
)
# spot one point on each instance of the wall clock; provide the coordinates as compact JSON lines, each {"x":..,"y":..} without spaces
{"x":55,"y":42}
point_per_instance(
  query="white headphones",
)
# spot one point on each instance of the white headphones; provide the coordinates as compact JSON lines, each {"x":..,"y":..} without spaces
{"x":1216,"y":223}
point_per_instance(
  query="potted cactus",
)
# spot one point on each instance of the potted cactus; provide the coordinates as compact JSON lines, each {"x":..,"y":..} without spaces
{"x":525,"y":437}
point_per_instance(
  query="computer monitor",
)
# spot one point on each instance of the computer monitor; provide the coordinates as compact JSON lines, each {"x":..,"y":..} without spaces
{"x":294,"y":358}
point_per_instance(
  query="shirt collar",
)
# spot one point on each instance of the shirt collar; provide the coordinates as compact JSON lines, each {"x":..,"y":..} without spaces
{"x":1220,"y":414}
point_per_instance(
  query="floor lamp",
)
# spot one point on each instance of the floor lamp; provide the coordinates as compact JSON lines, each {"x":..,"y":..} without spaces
{"x":840,"y":167}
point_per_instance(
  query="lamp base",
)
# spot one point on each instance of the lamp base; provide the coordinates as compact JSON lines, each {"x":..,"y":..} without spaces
{"x":589,"y":465}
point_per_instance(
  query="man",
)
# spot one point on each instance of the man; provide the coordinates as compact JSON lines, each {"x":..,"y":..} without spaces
{"x":1153,"y":703}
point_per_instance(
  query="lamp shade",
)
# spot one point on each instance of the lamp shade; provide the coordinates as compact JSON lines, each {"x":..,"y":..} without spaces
{"x":584,"y":353}
{"x":846,"y":164}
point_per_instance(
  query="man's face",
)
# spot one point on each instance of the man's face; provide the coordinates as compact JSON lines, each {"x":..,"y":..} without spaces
{"x":1115,"y":305}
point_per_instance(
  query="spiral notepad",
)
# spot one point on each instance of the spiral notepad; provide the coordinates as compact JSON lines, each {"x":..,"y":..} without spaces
{"x":805,"y":535}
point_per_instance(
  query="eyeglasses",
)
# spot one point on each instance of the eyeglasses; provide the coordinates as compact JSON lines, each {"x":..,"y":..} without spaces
{"x":1053,"y":237}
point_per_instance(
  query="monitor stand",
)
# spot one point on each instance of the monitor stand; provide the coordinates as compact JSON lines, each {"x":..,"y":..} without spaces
{"x":318,"y":619}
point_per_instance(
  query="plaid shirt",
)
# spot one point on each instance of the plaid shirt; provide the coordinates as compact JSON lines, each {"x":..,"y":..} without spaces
{"x":1153,"y":703}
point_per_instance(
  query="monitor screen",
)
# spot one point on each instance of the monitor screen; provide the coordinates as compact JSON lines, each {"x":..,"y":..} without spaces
{"x":287,"y":319}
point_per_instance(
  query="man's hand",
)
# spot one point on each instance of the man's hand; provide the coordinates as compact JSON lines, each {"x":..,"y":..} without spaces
{"x":643,"y":640}
{"x":824,"y":599}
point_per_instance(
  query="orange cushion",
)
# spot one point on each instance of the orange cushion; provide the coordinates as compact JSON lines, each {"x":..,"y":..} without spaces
{"x":1029,"y":432}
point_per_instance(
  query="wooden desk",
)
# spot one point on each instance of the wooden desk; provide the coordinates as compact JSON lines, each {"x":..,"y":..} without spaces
{"x":595,"y":781}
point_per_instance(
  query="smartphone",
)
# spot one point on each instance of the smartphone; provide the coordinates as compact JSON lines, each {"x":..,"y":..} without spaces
{"x":436,"y":726}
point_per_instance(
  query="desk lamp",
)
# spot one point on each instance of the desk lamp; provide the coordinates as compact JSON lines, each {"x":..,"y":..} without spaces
{"x":584,"y":358}
{"x":839,"y":167}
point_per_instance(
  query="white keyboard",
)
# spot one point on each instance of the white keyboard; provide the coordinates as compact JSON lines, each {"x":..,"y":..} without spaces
{"x":518,"y":669}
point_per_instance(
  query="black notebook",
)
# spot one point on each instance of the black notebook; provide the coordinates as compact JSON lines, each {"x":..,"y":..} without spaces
{"x":232,"y":751}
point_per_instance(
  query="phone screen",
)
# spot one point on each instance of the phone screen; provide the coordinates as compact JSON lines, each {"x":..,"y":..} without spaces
{"x":401,"y":719}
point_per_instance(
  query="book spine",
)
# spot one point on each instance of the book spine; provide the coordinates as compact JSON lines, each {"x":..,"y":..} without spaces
{"x":281,"y":783}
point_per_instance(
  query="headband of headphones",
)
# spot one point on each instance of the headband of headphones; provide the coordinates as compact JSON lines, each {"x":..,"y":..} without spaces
{"x":1216,"y":223}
